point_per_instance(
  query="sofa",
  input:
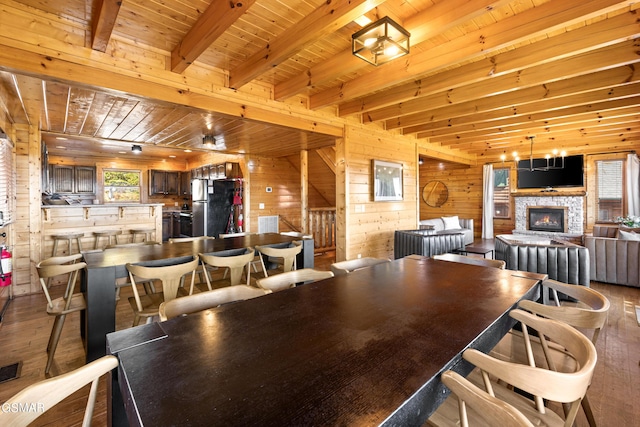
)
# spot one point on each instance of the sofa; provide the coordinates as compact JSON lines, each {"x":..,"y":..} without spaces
{"x":615,"y":255}
{"x":560,"y":260}
{"x":426,"y":242}
{"x":449,"y":224}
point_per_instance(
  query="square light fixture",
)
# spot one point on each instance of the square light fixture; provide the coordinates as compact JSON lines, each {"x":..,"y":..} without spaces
{"x":209,"y":140}
{"x":136,"y":149}
{"x":380,"y":41}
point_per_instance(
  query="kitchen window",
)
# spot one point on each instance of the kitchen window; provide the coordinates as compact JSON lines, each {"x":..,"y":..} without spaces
{"x":121,"y":185}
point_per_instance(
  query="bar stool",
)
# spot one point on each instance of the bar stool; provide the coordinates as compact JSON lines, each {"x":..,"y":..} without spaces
{"x":147,"y":234}
{"x":108,"y":234}
{"x":68,"y":237}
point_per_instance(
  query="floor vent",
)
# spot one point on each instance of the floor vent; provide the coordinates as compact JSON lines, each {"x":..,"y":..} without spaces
{"x":10,"y":372}
{"x":268,"y":224}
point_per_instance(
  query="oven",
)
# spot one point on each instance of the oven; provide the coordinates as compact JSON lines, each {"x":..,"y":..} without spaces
{"x":186,"y":224}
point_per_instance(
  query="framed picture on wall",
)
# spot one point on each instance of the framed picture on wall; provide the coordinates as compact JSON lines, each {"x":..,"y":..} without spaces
{"x":387,"y":180}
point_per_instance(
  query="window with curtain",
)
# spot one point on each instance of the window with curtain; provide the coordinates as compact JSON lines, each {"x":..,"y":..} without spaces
{"x":7,"y":180}
{"x":121,"y":186}
{"x":501,"y":205}
{"x":610,"y":190}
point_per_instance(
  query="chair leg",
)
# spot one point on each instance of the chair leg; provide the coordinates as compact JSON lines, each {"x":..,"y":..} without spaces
{"x":54,"y":343}
{"x":136,"y":320}
{"x":586,"y":406}
{"x":53,"y":328}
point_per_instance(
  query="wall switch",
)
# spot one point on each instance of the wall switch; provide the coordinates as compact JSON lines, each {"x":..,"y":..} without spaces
{"x":261,"y":206}
{"x":359,"y":256}
{"x":176,"y":204}
{"x":269,"y":189}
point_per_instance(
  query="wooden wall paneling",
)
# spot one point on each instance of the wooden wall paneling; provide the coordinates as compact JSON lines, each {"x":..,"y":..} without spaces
{"x":464,"y":184}
{"x":371,"y":225}
{"x":304,"y":190}
{"x":321,"y":181}
{"x":283,"y":200}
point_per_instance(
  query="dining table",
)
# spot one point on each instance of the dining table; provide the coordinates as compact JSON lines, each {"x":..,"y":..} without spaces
{"x":366,"y":348}
{"x":105,"y":266}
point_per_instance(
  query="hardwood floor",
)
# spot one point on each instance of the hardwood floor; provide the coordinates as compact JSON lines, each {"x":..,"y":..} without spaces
{"x":25,"y":329}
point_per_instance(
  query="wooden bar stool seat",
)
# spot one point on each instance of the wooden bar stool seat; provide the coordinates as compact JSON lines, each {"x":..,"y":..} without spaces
{"x":68,"y":237}
{"x":110,"y":234}
{"x":147,"y":234}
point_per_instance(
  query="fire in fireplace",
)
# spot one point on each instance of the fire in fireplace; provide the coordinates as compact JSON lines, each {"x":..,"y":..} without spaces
{"x":546,"y":218}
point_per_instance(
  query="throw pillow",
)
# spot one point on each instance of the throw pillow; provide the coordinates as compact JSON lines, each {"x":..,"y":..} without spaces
{"x":451,"y":222}
{"x":626,"y":235}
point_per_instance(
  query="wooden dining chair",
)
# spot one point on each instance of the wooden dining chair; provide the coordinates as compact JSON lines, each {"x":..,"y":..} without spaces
{"x":588,"y":314}
{"x":506,"y":380}
{"x":123,"y":282}
{"x":493,"y":411}
{"x":465,"y":259}
{"x":345,"y":267}
{"x":192,"y":239}
{"x":289,"y":279}
{"x":256,"y":261}
{"x":235,"y":264}
{"x":170,"y":276}
{"x":284,"y":257}
{"x":70,"y":302}
{"x":48,"y":393}
{"x":205,"y":300}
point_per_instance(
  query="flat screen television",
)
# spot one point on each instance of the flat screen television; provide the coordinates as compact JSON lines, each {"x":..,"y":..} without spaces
{"x":572,"y":175}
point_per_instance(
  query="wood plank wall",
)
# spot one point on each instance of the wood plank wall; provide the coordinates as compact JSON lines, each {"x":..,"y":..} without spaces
{"x":464,"y":184}
{"x":365,"y":227}
{"x":8,"y":128}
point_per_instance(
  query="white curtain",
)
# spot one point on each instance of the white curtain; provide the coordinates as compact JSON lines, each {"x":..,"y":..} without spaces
{"x":487,"y":202}
{"x":633,"y":185}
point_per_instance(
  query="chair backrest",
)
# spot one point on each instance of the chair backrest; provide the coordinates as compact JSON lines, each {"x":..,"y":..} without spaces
{"x":464,"y":259}
{"x":562,"y":387}
{"x":288,"y":254}
{"x":279,"y":282}
{"x":205,"y":300}
{"x":591,"y":313}
{"x":130,"y":245}
{"x":296,"y":234}
{"x":189,"y":239}
{"x":235,"y":264}
{"x":344,"y":267}
{"x":45,"y":394}
{"x":57,"y":266}
{"x":493,"y":410}
{"x":169,"y":275}
{"x":228,"y":235}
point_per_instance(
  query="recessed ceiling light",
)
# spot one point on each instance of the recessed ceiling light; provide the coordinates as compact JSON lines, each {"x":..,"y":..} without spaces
{"x":122,"y":152}
{"x":187,"y":151}
{"x":172,"y":156}
{"x":61,"y":138}
{"x":61,"y":147}
{"x":136,"y":149}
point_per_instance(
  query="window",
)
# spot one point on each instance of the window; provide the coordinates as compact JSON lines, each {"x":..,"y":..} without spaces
{"x":610,"y":191}
{"x":121,"y":186}
{"x":501,"y":203}
{"x":7,"y":180}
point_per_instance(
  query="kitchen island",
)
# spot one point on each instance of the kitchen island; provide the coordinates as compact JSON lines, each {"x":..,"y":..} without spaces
{"x":87,"y":219}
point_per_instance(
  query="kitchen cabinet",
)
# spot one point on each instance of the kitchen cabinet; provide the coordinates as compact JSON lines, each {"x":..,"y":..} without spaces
{"x":228,"y":170}
{"x":73,"y":179}
{"x":185,"y":184}
{"x":163,"y":182}
{"x":170,"y":225}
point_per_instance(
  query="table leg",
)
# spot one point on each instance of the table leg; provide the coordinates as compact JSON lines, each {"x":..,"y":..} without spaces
{"x":305,"y":258}
{"x":98,"y":286}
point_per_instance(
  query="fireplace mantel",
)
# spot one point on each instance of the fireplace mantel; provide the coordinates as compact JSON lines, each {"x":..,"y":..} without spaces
{"x":542,"y":193}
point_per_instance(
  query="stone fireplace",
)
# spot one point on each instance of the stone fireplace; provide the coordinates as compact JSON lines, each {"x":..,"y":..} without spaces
{"x":547,"y":218}
{"x":571,"y":204}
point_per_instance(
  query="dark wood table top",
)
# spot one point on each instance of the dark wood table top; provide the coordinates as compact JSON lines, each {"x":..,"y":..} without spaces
{"x":366,"y":348}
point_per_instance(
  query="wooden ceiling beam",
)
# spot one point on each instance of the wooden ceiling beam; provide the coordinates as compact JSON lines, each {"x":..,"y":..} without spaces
{"x":527,"y":65}
{"x":102,"y":24}
{"x":475,"y":45}
{"x":422,"y":26}
{"x":214,"y":21}
{"x":326,"y":19}
{"x":512,"y":99}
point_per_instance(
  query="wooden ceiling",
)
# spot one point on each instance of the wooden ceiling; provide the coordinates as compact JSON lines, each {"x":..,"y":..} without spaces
{"x":481,"y":75}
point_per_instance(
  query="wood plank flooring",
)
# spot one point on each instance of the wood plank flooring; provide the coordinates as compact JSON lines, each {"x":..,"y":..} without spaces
{"x":24,"y":332}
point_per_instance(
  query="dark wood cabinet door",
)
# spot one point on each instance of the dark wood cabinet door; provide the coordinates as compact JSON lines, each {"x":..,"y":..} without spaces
{"x":172,"y":182}
{"x":61,"y":179}
{"x":185,"y":183}
{"x":85,"y":179}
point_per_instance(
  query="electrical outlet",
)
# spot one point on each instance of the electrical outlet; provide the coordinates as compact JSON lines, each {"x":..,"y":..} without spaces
{"x":261,"y":206}
{"x":359,"y":256}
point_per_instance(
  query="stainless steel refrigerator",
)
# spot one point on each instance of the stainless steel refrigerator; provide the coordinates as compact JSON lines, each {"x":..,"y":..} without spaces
{"x":212,"y":206}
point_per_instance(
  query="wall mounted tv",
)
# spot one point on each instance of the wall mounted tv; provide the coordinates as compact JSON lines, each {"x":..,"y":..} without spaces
{"x":572,"y":175}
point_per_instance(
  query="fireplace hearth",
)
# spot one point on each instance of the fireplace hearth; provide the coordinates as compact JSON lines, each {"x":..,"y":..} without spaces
{"x":547,"y":218}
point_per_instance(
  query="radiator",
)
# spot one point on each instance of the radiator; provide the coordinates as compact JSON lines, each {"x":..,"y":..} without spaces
{"x":268,"y":224}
